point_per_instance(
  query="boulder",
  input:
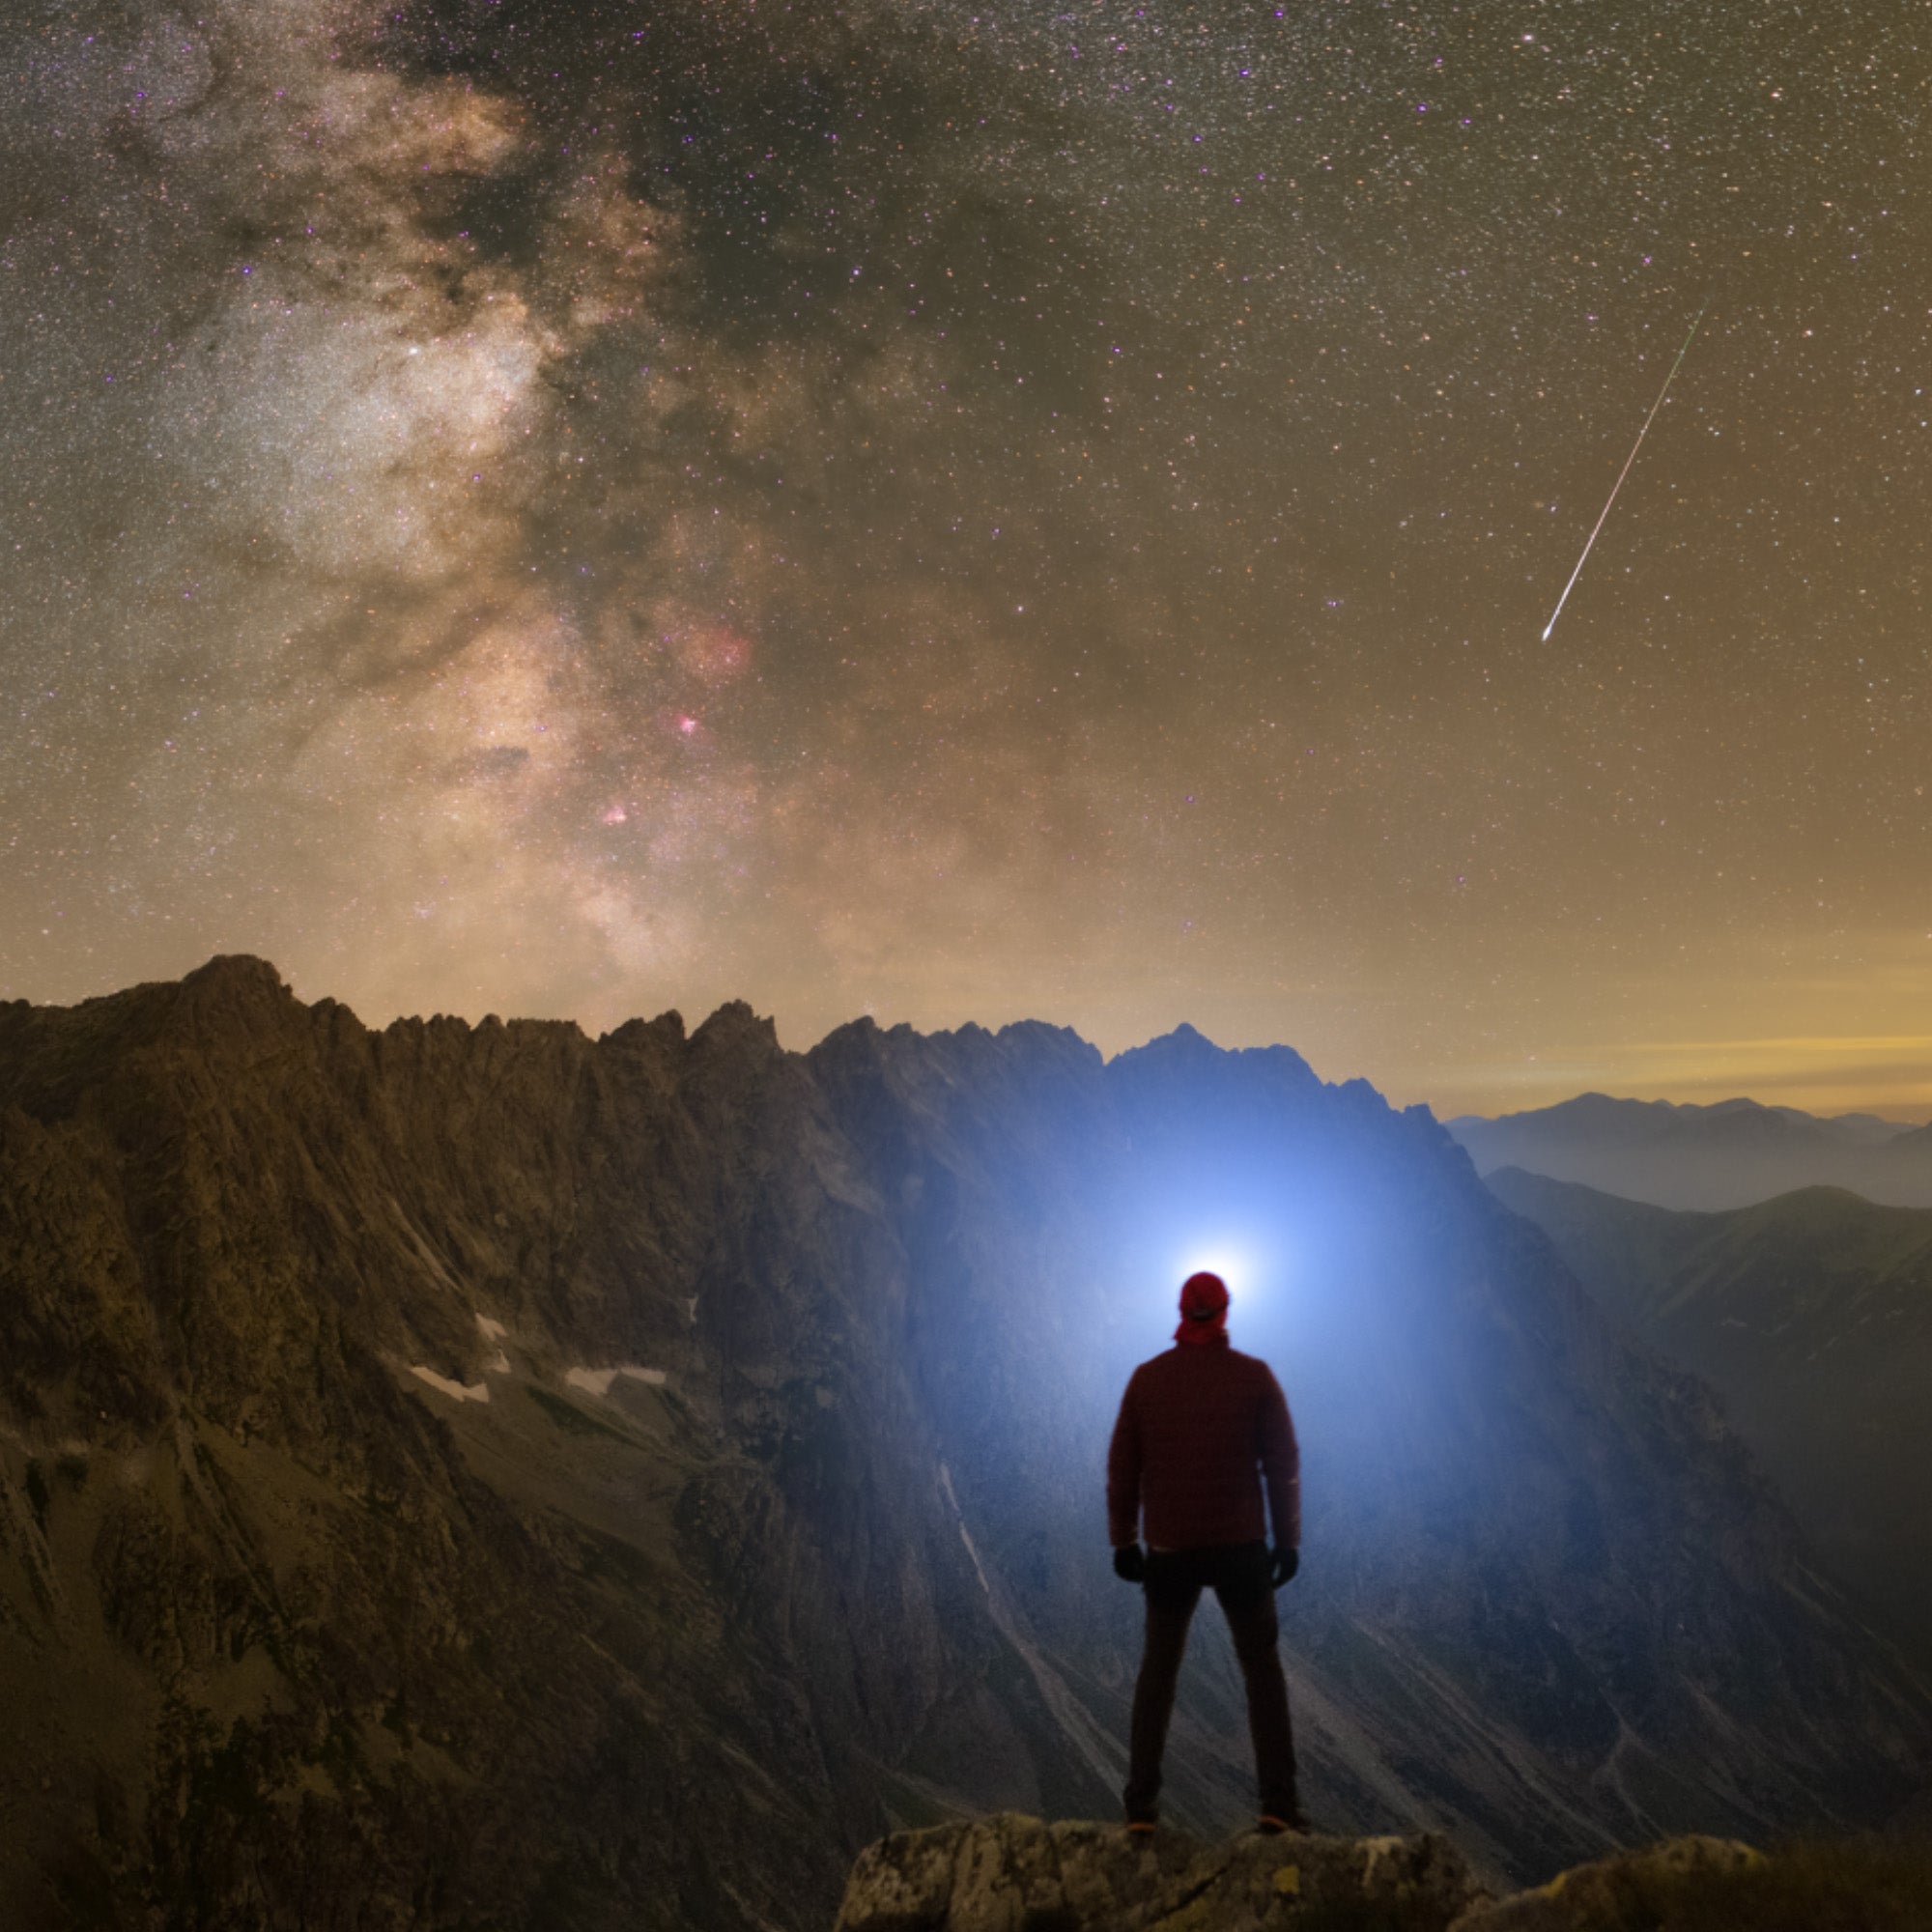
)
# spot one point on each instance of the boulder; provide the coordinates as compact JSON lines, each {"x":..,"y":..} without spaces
{"x":1011,"y":1873}
{"x":1629,"y":1893}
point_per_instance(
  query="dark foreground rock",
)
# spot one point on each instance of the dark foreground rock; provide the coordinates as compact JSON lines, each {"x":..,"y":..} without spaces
{"x":1859,"y":1883}
{"x":1629,"y":1894}
{"x":1014,"y":1874}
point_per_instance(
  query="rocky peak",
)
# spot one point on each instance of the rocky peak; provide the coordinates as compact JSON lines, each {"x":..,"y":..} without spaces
{"x":235,"y":1006}
{"x":667,"y":1028}
{"x":231,"y":978}
{"x":233,"y":1009}
{"x":1187,"y":1057}
{"x":735,"y":1028}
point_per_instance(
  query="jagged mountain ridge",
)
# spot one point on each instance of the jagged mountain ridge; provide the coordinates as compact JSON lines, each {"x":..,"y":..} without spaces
{"x":343,"y":1563}
{"x":1729,"y":1154}
{"x":1811,"y":1315}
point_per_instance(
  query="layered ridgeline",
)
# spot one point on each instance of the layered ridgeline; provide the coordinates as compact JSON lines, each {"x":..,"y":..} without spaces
{"x":481,"y":1475}
{"x":1726,"y":1155}
{"x":1811,"y":1315}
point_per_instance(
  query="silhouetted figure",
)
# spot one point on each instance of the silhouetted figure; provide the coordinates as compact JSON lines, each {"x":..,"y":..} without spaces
{"x":1201,"y":1430}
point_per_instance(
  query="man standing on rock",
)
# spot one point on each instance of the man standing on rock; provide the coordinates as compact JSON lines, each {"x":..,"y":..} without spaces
{"x":1201,"y":1430}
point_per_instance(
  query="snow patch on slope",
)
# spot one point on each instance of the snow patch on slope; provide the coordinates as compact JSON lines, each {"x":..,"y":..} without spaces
{"x":456,"y":1391}
{"x":494,"y":1332}
{"x":598,"y":1380}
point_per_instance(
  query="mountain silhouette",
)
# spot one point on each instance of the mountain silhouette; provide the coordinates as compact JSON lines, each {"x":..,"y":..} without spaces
{"x":1725,"y":1156}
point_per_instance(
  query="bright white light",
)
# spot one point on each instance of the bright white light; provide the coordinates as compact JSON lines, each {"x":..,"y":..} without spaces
{"x":1233,"y":1267}
{"x":1245,"y":1236}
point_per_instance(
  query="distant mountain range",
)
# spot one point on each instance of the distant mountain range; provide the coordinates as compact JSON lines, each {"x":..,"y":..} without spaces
{"x":1811,"y":1315}
{"x":456,"y":1475}
{"x":1725,"y":1156}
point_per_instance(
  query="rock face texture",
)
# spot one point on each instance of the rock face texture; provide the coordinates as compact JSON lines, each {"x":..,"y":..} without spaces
{"x":479,"y":1475}
{"x":1634,"y":1892}
{"x":1015,"y":1874}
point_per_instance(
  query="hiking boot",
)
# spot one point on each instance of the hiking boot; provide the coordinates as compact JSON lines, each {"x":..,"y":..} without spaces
{"x":1140,"y":1829}
{"x":1273,"y":1824}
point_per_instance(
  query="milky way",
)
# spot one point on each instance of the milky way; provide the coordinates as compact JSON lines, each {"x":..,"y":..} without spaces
{"x":953,"y":513}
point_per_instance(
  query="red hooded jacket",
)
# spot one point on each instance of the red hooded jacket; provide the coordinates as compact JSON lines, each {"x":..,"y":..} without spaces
{"x":1200,"y":1430}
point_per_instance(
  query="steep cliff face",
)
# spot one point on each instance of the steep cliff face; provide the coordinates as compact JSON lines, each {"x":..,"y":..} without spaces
{"x":479,"y":1474}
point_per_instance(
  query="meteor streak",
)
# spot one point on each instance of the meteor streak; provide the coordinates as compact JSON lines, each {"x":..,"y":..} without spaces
{"x":1623,"y":473}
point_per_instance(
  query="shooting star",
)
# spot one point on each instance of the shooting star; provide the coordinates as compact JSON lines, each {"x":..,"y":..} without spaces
{"x":1623,"y":473}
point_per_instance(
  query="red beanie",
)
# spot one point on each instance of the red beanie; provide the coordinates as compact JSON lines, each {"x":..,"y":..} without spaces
{"x":1204,"y":1309}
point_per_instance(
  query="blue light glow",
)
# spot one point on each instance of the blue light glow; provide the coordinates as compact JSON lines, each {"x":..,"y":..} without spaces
{"x":1234,"y":1265}
{"x":1254,"y":1264}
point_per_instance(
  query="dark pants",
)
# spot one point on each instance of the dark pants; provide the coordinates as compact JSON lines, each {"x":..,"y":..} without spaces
{"x":1239,"y":1575}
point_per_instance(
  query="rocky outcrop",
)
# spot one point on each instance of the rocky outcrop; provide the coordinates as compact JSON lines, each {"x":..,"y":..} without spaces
{"x":1015,"y":1874}
{"x":1863,"y":1884}
{"x":1631,"y":1893}
{"x":461,"y":1474}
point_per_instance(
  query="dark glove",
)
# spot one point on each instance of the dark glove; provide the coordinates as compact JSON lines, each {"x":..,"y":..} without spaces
{"x":1131,"y":1563}
{"x":1286,"y":1563}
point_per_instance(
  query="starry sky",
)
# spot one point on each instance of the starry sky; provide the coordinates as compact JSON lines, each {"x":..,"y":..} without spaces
{"x":960,"y":511}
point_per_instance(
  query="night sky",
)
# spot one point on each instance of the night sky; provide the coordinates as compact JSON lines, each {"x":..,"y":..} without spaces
{"x":969,"y":512}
